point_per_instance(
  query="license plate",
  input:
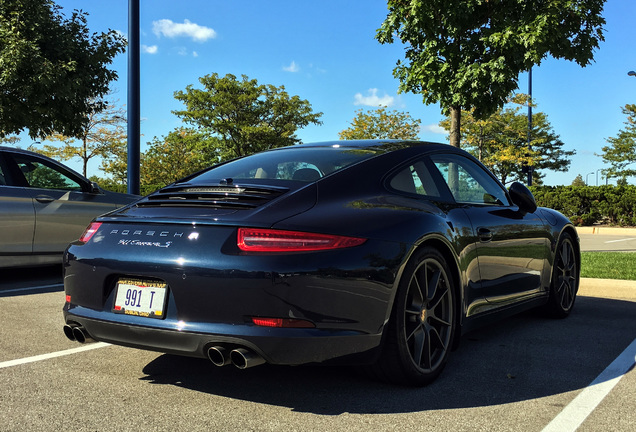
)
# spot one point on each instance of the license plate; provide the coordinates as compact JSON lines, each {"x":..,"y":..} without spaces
{"x":141,"y":298}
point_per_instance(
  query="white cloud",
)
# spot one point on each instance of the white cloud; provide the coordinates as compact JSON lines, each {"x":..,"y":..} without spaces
{"x":293,"y":67}
{"x":149,"y":49}
{"x":435,"y":128}
{"x":195,"y":54}
{"x":372,"y":99}
{"x":170,"y":29}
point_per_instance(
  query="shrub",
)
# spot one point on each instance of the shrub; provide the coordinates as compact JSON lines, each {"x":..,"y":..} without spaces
{"x":587,"y":205}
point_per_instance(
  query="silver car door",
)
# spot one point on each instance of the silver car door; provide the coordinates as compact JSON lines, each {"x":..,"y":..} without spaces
{"x":63,"y":205}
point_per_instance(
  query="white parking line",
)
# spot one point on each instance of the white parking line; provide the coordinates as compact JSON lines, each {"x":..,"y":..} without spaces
{"x":582,"y":406}
{"x":621,"y":240}
{"x":48,"y":356}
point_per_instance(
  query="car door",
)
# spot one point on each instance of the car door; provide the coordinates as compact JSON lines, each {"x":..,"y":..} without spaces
{"x":512,"y":246}
{"x":17,"y":214}
{"x":63,"y":203}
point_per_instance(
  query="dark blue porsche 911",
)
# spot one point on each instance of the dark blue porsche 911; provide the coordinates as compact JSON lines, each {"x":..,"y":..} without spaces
{"x":370,"y":252}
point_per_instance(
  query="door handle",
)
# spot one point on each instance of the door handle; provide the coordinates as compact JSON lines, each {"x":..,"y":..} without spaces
{"x":484,"y":234}
{"x":44,"y":199}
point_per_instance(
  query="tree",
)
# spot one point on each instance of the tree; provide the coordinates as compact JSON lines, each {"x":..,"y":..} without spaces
{"x":621,"y":153}
{"x":578,"y":181}
{"x":181,"y":153}
{"x":53,"y":73}
{"x":467,"y":54}
{"x":101,"y":136}
{"x":382,"y":124}
{"x":115,"y":162}
{"x":246,"y":116}
{"x":500,"y":142}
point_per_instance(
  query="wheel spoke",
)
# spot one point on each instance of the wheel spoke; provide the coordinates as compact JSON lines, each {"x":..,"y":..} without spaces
{"x":418,"y":337}
{"x":432,"y":285}
{"x":438,"y":337}
{"x":415,"y":295}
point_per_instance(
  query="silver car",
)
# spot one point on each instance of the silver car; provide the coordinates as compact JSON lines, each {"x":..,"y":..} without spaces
{"x":44,"y":206}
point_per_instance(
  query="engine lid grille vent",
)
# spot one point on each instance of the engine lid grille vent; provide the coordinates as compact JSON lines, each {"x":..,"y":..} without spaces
{"x":235,"y":197}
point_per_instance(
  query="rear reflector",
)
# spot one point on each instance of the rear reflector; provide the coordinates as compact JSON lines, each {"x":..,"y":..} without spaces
{"x":270,"y":240}
{"x":282,"y":322}
{"x":90,"y":231}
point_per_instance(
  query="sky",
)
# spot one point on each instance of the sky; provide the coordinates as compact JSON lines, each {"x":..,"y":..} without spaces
{"x":326,"y":53}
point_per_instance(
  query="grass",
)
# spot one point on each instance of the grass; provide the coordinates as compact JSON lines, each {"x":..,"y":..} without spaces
{"x":608,"y":265}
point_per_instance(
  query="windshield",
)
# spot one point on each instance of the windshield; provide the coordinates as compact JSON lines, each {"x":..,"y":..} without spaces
{"x":306,"y":164}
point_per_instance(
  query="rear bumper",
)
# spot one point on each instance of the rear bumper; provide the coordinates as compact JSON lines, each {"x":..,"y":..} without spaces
{"x":276,"y":346}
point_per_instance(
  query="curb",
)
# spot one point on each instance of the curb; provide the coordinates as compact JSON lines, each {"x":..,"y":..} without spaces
{"x":608,"y":288}
{"x":618,"y":231}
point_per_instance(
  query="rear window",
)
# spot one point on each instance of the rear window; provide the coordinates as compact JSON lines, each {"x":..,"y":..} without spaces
{"x":305,"y":164}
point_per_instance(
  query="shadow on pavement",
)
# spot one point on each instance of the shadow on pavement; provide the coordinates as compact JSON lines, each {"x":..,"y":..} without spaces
{"x":35,"y":280}
{"x":522,"y":358}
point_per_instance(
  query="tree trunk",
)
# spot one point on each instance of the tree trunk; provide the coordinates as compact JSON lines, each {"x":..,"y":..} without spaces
{"x":455,"y":138}
{"x":455,"y":131}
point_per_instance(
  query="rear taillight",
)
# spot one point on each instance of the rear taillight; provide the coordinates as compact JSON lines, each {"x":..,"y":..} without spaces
{"x":90,"y":231}
{"x":282,"y":322}
{"x":270,"y":240}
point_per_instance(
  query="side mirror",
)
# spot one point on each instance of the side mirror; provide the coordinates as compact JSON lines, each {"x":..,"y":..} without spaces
{"x":95,"y":188}
{"x":522,"y":197}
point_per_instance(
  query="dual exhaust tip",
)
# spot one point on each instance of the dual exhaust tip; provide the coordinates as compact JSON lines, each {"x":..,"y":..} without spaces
{"x":77,"y":334}
{"x":242,"y":358}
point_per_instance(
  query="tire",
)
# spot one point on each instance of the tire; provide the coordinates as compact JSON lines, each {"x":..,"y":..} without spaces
{"x":565,"y":278}
{"x":423,"y":322}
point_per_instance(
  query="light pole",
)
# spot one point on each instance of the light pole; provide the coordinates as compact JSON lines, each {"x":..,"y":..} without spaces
{"x":133,"y":109}
{"x":587,"y":175}
{"x":530,"y":168}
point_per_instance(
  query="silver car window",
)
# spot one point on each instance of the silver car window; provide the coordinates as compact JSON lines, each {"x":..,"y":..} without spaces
{"x":40,"y":175}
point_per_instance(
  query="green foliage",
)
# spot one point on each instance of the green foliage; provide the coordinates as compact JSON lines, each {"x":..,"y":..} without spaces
{"x":103,"y":136}
{"x":382,"y":124}
{"x":500,"y":142}
{"x":245,"y":116}
{"x":578,"y":181}
{"x":52,"y":70}
{"x":109,"y":184}
{"x":181,"y":153}
{"x":621,"y":153}
{"x":587,"y":205}
{"x":467,"y":54}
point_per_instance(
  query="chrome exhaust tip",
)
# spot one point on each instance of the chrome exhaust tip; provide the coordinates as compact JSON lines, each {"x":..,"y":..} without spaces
{"x":68,"y":332}
{"x":243,"y":358}
{"x":81,"y":335}
{"x":218,"y":355}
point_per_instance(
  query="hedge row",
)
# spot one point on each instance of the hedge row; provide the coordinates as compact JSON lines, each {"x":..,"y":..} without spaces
{"x":144,"y":189}
{"x":588,"y":205}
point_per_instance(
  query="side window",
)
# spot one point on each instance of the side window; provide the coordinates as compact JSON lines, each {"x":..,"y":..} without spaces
{"x":39,"y":175}
{"x":3,"y":181}
{"x":415,"y":179}
{"x":468,"y":182}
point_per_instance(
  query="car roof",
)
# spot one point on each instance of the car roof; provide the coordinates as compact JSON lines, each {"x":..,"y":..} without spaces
{"x":377,"y":144}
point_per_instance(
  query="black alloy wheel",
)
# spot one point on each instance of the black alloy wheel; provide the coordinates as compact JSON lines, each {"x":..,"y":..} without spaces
{"x":565,"y":278}
{"x":422,"y":325}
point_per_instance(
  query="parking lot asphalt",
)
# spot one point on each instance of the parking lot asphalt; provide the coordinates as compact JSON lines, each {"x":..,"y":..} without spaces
{"x":522,"y":375}
{"x":529,"y":374}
